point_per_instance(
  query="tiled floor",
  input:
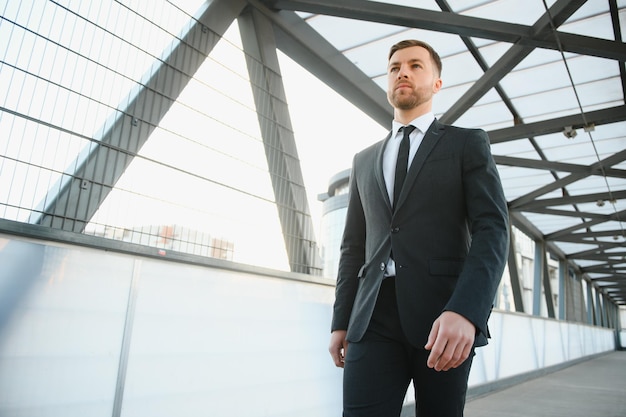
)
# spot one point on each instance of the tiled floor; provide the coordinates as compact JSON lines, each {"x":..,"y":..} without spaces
{"x":594,"y":388}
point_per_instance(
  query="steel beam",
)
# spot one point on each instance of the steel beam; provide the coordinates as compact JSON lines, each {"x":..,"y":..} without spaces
{"x":590,"y":305}
{"x":516,"y":284}
{"x":280,"y":147}
{"x":546,"y":127}
{"x":298,"y":40}
{"x":559,"y":13}
{"x":547,"y":287}
{"x":594,"y":169}
{"x":457,"y":24}
{"x":98,"y":170}
{"x":565,"y":200}
{"x":563,"y":276}
{"x":538,"y":262}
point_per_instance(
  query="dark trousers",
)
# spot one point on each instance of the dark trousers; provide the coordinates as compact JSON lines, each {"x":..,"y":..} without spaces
{"x":379,"y":368}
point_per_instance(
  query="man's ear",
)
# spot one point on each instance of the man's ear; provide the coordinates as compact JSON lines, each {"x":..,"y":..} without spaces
{"x":437,"y":85}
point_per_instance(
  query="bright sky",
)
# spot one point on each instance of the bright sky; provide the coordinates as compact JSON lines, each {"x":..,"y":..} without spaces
{"x":321,"y":120}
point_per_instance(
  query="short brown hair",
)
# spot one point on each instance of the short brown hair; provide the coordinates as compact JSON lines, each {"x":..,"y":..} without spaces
{"x":414,"y":42}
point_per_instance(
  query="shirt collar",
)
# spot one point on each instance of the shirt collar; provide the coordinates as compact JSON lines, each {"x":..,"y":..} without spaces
{"x":422,"y":123}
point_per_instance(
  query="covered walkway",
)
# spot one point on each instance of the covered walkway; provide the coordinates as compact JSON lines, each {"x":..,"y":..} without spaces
{"x":158,"y":252}
{"x":593,"y":388}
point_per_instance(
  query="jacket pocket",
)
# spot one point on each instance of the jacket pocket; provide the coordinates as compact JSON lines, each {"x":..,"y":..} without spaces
{"x":445,"y":267}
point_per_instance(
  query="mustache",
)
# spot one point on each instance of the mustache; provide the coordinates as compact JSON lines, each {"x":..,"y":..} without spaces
{"x":404,"y":83}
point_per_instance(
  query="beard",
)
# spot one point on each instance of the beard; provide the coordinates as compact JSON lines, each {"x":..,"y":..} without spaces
{"x":408,"y":101}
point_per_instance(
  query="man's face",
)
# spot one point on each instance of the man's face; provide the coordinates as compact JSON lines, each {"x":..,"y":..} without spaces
{"x":412,"y":78}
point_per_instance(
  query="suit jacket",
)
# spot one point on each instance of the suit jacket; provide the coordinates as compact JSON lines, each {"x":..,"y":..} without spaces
{"x":448,"y":234}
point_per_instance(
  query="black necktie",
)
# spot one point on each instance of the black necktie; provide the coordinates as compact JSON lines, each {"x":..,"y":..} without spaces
{"x":403,"y":162}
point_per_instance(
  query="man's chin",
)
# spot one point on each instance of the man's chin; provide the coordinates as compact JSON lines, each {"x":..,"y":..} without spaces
{"x":406,"y":104}
{"x":406,"y":101}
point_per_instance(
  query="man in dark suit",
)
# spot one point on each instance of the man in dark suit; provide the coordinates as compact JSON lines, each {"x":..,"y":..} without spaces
{"x":418,"y":275}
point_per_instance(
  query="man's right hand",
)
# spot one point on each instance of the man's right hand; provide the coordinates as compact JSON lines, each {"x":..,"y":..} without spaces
{"x":338,"y":347}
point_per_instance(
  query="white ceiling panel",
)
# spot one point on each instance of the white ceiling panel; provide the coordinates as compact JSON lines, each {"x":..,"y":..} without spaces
{"x":512,"y":11}
{"x":346,"y":34}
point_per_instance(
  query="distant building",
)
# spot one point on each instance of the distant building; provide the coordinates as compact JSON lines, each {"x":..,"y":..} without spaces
{"x":172,"y":237}
{"x":335,"y":206}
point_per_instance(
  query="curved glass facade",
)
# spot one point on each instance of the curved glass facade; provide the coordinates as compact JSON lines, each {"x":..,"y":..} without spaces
{"x":335,"y":207}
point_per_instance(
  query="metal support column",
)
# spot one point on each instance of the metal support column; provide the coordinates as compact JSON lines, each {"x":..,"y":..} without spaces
{"x":563,"y":276}
{"x":618,"y":329}
{"x":605,"y":310}
{"x":615,"y":325}
{"x":612,"y":315}
{"x":538,"y":275}
{"x":573,"y":300}
{"x":590,"y":305}
{"x":547,"y":287}
{"x":257,"y":36}
{"x":599,"y":321}
{"x":516,"y":285}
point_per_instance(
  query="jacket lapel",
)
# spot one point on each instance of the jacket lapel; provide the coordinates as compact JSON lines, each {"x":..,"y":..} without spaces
{"x":378,"y":172}
{"x":434,"y":133}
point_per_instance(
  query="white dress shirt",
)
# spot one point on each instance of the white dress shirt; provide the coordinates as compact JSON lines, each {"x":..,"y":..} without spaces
{"x":390,"y":157}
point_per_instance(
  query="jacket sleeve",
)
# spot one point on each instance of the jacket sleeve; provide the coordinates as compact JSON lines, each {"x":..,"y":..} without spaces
{"x":352,"y":256}
{"x":488,"y":222}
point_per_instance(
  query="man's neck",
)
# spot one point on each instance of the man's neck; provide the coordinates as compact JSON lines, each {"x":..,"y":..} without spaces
{"x":406,"y":116}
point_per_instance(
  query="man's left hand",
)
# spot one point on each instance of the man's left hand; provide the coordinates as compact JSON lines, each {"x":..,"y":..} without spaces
{"x":450,"y":341}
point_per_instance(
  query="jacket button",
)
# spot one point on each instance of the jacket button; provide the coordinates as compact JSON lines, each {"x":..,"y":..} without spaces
{"x":382,"y":266}
{"x":395,"y":230}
